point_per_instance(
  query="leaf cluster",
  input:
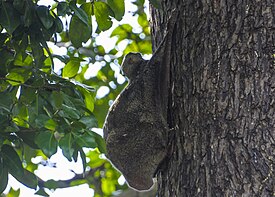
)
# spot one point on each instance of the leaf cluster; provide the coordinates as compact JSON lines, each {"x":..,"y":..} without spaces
{"x":42,"y":110}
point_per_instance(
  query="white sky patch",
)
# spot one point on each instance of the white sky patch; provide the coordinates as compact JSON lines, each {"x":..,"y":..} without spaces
{"x":47,"y":173}
{"x":92,"y":70}
{"x":102,"y":91}
{"x":121,"y":180}
{"x":99,"y":131}
{"x":112,"y":85}
{"x":122,"y":44}
{"x":45,"y":2}
{"x":121,"y":79}
{"x":58,"y":65}
{"x":81,"y":190}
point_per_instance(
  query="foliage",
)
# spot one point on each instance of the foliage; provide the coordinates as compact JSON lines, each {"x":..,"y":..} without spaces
{"x":42,"y":109}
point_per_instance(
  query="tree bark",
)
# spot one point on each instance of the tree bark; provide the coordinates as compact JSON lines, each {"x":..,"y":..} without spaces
{"x":222,"y":107}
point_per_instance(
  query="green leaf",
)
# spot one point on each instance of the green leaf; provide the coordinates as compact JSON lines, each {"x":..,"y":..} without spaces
{"x":79,"y":32}
{"x":145,"y":47}
{"x":18,"y":76}
{"x":21,"y":51}
{"x":94,"y":159}
{"x":65,"y":144}
{"x":59,"y":25}
{"x":83,"y":158}
{"x":51,"y":125}
{"x":28,"y":179}
{"x":78,"y":126}
{"x":3,"y":85}
{"x":22,"y":116}
{"x":80,"y":1}
{"x":81,"y":14}
{"x":118,"y":6}
{"x":71,"y":68}
{"x":18,"y":5}
{"x":28,"y":95}
{"x":41,"y":120}
{"x":47,"y":142}
{"x":6,"y":101}
{"x":22,"y":61}
{"x":86,"y":140}
{"x":89,"y":121}
{"x":100,"y":143}
{"x":51,"y":184}
{"x":6,"y":58}
{"x":75,"y":154}
{"x":108,"y":187}
{"x":28,"y":138}
{"x":37,"y":51}
{"x":13,"y":193}
{"x":29,"y":15}
{"x":56,"y":99}
{"x":100,"y":50}
{"x":70,"y":112}
{"x":90,"y":139}
{"x":41,"y":192}
{"x":102,"y":13}
{"x":12,"y":161}
{"x":45,"y":17}
{"x":88,"y":8}
{"x":9,"y":127}
{"x":142,"y":20}
{"x":62,"y":8}
{"x":9,"y":17}
{"x":3,"y":176}
{"x":68,"y":100}
{"x":122,"y":31}
{"x":89,"y":100}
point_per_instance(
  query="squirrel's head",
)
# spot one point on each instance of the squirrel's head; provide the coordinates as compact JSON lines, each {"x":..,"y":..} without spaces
{"x":131,"y":64}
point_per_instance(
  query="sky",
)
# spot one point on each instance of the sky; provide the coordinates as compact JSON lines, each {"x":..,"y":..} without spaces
{"x":63,"y":166}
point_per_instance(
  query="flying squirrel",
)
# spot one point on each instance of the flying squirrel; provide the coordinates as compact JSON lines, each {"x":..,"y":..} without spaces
{"x":136,"y":129}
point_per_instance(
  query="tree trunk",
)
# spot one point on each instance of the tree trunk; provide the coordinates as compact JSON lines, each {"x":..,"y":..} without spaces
{"x":222,"y":98}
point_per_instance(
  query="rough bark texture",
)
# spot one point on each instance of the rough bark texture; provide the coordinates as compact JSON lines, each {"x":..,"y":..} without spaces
{"x":222,"y":104}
